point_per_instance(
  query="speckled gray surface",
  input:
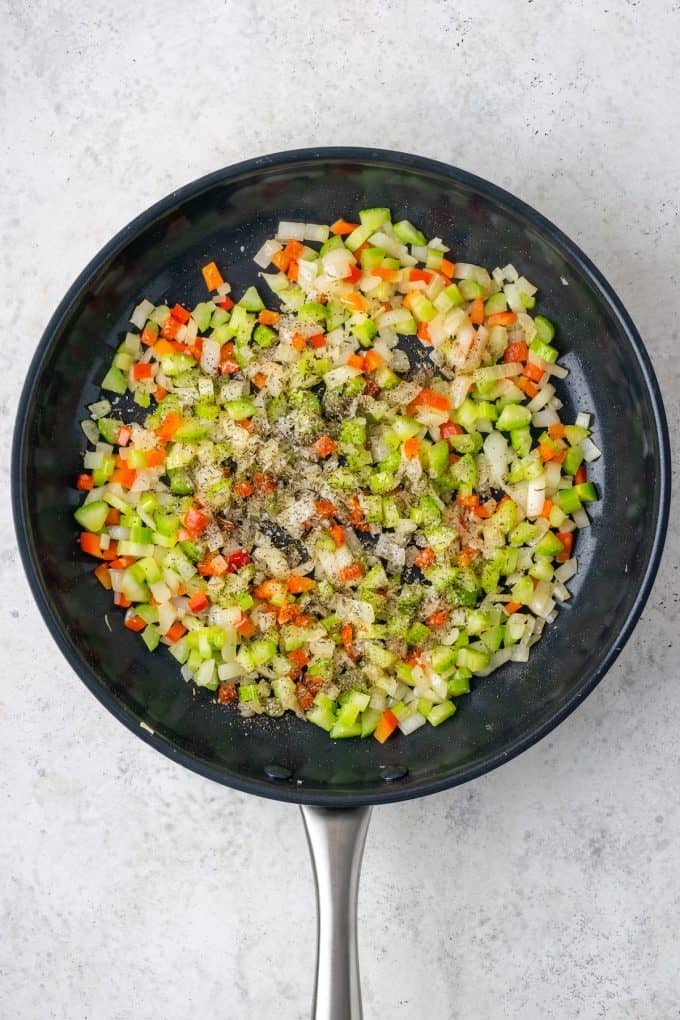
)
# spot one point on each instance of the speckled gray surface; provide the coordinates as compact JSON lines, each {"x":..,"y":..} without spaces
{"x":133,"y":890}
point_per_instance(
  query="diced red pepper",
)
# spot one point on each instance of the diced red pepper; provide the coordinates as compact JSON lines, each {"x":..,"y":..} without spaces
{"x":227,"y":694}
{"x":237,"y":560}
{"x":181,"y":314}
{"x":244,"y":489}
{"x":84,"y":482}
{"x":567,"y":540}
{"x":142,"y":370}
{"x":450,"y":428}
{"x":195,"y":520}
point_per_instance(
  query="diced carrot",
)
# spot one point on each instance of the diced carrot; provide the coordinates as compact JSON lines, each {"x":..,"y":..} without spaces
{"x":408,"y":298}
{"x":90,"y":544}
{"x":387,"y":724}
{"x":581,"y":475}
{"x":244,"y":489}
{"x":212,"y":276}
{"x":260,"y":380}
{"x":281,"y":261}
{"x":438,"y":619}
{"x":411,"y":447}
{"x":512,"y":607}
{"x":164,"y":347}
{"x":525,"y":385}
{"x":338,"y":534}
{"x":169,"y":426}
{"x":148,"y":337}
{"x":176,"y":632}
{"x":477,"y":312}
{"x":324,"y":507}
{"x":84,"y":482}
{"x":103,"y":576}
{"x":155,"y":458}
{"x":298,"y":342}
{"x":160,"y":392}
{"x":425,"y":558}
{"x":264,"y":482}
{"x":546,"y":508}
{"x":567,"y":540}
{"x":113,"y":516}
{"x":372,"y":361}
{"x":124,"y":476}
{"x":501,"y":319}
{"x":181,"y":314}
{"x":294,"y":249}
{"x":293,"y":271}
{"x":299,"y":657}
{"x":121,"y":600}
{"x":122,"y":562}
{"x":297,"y":584}
{"x":547,"y":453}
{"x":466,"y":556}
{"x":135,"y":623}
{"x":469,"y":502}
{"x":351,"y":573}
{"x":356,"y":361}
{"x":343,"y":227}
{"x":388,"y":275}
{"x":227,"y":694}
{"x":432,"y":399}
{"x":287,"y":613}
{"x":424,"y":333}
{"x":269,"y":318}
{"x":355,"y":301}
{"x":245,"y":423}
{"x":228,"y":363}
{"x":170,"y":328}
{"x":196,"y":349}
{"x":124,"y":436}
{"x":533,"y":371}
{"x":483,"y":510}
{"x":560,"y":456}
{"x":216,"y":566}
{"x":517,"y":351}
{"x":268,"y":589}
{"x":245,"y":626}
{"x":419,"y":276}
{"x":198,"y":602}
{"x":448,"y":268}
{"x":556,"y":431}
{"x":353,"y":274}
{"x":325,"y":446}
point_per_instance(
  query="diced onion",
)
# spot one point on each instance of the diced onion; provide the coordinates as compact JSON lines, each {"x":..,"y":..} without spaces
{"x":583,"y":420}
{"x":316,"y":232}
{"x":90,"y":429}
{"x":590,"y":451}
{"x":566,"y":570}
{"x":290,"y":231}
{"x":141,"y":313}
{"x":581,"y":518}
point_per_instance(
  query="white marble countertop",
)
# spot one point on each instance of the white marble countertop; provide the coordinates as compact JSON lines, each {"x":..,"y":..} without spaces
{"x":132,"y":889}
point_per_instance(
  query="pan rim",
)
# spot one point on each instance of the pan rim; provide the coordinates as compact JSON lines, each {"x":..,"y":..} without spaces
{"x":289,"y":792}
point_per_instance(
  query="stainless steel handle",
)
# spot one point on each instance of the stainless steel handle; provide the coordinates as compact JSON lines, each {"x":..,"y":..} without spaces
{"x":336,"y":838}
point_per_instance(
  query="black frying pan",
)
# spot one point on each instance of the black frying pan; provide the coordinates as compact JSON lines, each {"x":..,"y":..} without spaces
{"x":226,"y":216}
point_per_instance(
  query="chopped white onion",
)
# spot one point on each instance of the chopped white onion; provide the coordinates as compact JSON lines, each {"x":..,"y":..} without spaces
{"x":290,"y":231}
{"x":266,"y":253}
{"x":316,"y":232}
{"x":567,"y":570}
{"x":590,"y":451}
{"x":535,"y":496}
{"x":210,"y":356}
{"x":583,"y":420}
{"x":141,"y":313}
{"x":90,"y":429}
{"x":581,"y":518}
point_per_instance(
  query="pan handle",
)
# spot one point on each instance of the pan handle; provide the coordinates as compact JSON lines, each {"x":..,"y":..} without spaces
{"x":336,"y":838}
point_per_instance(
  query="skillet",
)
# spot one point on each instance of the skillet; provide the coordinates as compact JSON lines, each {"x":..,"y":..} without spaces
{"x":226,"y":216}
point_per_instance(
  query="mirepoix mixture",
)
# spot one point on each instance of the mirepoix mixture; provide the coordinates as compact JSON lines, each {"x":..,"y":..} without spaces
{"x":310,"y":519}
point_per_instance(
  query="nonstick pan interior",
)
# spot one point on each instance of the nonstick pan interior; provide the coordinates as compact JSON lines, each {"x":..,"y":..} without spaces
{"x":226,"y":217}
